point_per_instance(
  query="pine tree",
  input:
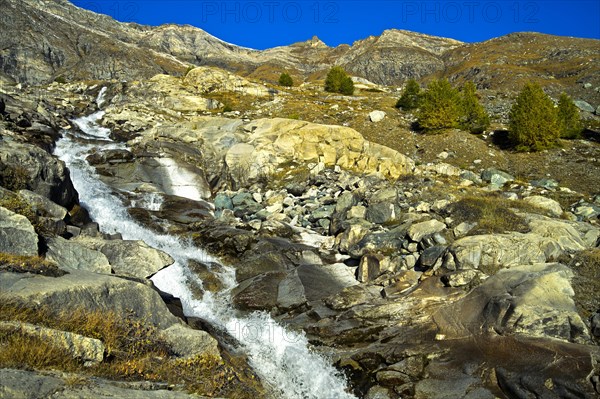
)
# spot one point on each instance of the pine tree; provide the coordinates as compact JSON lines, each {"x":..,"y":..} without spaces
{"x":338,"y":81}
{"x":474,"y":117}
{"x":286,"y":80}
{"x":569,"y":118}
{"x":534,"y":124}
{"x":439,"y":107}
{"x":410,"y":96}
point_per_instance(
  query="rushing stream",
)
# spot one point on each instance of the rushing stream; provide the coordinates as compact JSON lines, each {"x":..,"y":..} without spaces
{"x":282,"y":358}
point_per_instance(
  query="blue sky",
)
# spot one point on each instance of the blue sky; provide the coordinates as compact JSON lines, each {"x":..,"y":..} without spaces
{"x":269,"y":23}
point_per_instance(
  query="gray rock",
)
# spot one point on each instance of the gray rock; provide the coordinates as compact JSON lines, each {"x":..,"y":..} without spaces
{"x":80,"y":289}
{"x":187,"y":342}
{"x":417,"y":231}
{"x":547,"y":204}
{"x":385,"y":243}
{"x":290,"y":293}
{"x":43,"y":205}
{"x":381,"y":213}
{"x":378,"y":392}
{"x":350,"y":296}
{"x":463,"y":229}
{"x":71,"y":255}
{"x":223,"y":201}
{"x":472,"y":176}
{"x":134,"y":258}
{"x":598,"y":110}
{"x":548,"y":184}
{"x":584,"y":106}
{"x":461,"y":278}
{"x":346,"y":201}
{"x":358,"y":229}
{"x":431,"y":255}
{"x":376,"y":116}
{"x":389,"y":195}
{"x":46,"y":175}
{"x":21,"y":384}
{"x":595,"y":322}
{"x":533,"y":300}
{"x":88,"y":350}
{"x":496,"y":177}
{"x":17,"y":235}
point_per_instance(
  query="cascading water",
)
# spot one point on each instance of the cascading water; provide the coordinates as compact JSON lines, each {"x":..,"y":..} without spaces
{"x":282,"y":358}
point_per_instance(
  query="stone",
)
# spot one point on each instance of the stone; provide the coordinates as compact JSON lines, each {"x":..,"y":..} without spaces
{"x":376,"y":116}
{"x":89,"y":350}
{"x":417,"y":231}
{"x":356,"y":212}
{"x":431,"y":255}
{"x":595,"y":323}
{"x":358,"y":229}
{"x":496,"y":177}
{"x":598,"y":110}
{"x":17,"y":235}
{"x":584,"y":106}
{"x":134,"y":258}
{"x":369,"y":268}
{"x":92,"y":291}
{"x":548,"y":184}
{"x":188,"y":343}
{"x":23,"y":384}
{"x":380,"y":213}
{"x":547,"y":204}
{"x":43,"y":205}
{"x":460,"y":278}
{"x":402,"y":282}
{"x":350,"y":297}
{"x":463,"y":229}
{"x":68,"y":254}
{"x":45,"y":174}
{"x":531,"y":300}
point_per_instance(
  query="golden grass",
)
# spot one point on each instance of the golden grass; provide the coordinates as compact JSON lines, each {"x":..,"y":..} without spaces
{"x":29,"y":264}
{"x":135,"y":350}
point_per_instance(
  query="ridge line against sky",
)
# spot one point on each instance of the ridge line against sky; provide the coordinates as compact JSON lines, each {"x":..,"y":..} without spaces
{"x":271,"y":23}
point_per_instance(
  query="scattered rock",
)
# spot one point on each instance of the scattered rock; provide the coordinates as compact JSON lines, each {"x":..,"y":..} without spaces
{"x":376,"y":116}
{"x":417,"y":231}
{"x":584,"y":106}
{"x":547,"y":204}
{"x":496,"y":178}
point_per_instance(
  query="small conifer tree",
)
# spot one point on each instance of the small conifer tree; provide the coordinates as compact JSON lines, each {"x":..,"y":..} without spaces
{"x":439,"y":107}
{"x":534,"y":124}
{"x":410,"y":96}
{"x":338,"y":81}
{"x":569,"y":118}
{"x":286,"y":80}
{"x":474,"y":117}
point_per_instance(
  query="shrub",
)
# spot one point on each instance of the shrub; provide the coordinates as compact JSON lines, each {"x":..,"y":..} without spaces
{"x":569,"y":118}
{"x":286,"y":80}
{"x":338,"y":81}
{"x":474,"y":117}
{"x":410,"y":96}
{"x":533,"y":122}
{"x":439,"y":107}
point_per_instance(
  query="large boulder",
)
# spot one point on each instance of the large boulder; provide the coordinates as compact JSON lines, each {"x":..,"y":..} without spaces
{"x":39,"y":172}
{"x":134,"y":258}
{"x":22,"y":384}
{"x":209,"y":80}
{"x":88,"y":350}
{"x":531,"y":300}
{"x":17,"y":235}
{"x":80,"y":289}
{"x":68,"y":254}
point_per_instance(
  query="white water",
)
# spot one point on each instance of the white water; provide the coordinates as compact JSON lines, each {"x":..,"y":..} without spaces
{"x":280,"y":357}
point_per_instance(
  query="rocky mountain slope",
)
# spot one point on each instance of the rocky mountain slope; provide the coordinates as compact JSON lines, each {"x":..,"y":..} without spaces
{"x":45,"y":40}
{"x":418,"y":279}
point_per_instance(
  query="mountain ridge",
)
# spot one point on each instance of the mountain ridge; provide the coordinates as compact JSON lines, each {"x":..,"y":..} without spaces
{"x":57,"y":40}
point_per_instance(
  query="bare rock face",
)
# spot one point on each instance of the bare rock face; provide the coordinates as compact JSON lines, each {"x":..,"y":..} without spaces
{"x":17,"y":235}
{"x":39,"y":172}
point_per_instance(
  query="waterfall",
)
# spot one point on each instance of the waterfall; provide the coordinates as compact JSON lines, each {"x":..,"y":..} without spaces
{"x":282,"y":358}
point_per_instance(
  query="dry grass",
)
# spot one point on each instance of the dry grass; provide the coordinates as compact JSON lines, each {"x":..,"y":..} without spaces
{"x":492,"y":213}
{"x":135,"y":350}
{"x":29,"y":264}
{"x":586,"y":283}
